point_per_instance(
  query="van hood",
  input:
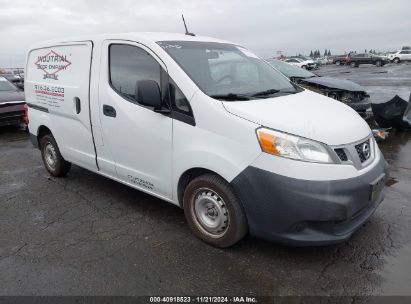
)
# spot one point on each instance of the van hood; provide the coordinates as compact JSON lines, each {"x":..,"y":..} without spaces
{"x":305,"y":114}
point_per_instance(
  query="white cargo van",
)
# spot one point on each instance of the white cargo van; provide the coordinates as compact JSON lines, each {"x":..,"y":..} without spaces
{"x":207,"y":125}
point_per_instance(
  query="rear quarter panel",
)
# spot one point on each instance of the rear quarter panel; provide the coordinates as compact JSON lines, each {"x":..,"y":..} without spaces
{"x":55,"y":75}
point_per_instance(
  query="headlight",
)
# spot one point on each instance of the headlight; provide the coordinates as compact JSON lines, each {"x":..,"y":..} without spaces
{"x":291,"y":146}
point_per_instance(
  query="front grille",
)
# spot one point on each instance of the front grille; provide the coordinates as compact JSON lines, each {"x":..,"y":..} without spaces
{"x":359,"y":154}
{"x":364,"y":153}
{"x":341,"y":154}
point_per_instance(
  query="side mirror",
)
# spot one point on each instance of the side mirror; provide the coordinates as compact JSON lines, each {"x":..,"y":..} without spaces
{"x":148,"y":93}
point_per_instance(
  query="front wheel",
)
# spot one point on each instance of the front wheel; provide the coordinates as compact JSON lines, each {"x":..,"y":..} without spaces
{"x":353,"y":64}
{"x":304,"y":67}
{"x":378,"y":63}
{"x":397,"y":60}
{"x":337,"y":63}
{"x":55,"y":164}
{"x":213,"y":211}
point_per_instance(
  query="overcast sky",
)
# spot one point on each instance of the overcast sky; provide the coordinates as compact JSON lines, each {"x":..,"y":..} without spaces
{"x":264,"y":26}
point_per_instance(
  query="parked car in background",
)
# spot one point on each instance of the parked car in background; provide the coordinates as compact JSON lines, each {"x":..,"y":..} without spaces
{"x":339,"y":59}
{"x":12,"y":104}
{"x":356,"y":60}
{"x":307,"y":64}
{"x":343,"y":90}
{"x":402,"y":55}
{"x":317,"y":63}
{"x":322,"y":60}
{"x":17,"y":80}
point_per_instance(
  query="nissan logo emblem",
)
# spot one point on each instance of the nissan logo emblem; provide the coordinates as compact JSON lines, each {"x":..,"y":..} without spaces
{"x":366,"y":150}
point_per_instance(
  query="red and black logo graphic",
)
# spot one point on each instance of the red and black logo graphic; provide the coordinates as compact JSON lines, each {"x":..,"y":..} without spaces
{"x":51,"y":64}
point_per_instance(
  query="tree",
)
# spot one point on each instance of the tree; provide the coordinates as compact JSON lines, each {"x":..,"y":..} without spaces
{"x":329,"y":53}
{"x":311,"y":53}
{"x":325,"y":52}
{"x":365,"y":51}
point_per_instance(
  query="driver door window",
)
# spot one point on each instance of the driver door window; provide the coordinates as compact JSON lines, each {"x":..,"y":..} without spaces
{"x":129,"y":64}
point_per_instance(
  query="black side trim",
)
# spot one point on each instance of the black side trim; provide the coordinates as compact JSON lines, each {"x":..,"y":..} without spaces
{"x":36,"y":107}
{"x":183,"y":117}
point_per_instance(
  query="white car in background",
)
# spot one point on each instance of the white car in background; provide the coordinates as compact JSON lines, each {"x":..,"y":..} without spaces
{"x":307,"y":64}
{"x":323,"y":60}
{"x":402,"y":55}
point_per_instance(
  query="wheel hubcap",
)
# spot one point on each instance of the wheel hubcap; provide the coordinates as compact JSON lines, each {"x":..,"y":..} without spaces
{"x":50,"y":156}
{"x":211,"y":212}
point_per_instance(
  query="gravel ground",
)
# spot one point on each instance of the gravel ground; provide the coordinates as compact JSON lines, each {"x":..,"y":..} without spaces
{"x":88,"y":235}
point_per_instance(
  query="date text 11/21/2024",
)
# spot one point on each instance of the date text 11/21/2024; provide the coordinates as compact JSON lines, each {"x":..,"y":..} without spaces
{"x":205,"y":299}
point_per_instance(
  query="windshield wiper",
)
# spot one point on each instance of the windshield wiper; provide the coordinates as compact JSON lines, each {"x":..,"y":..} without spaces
{"x":289,"y":92}
{"x":231,"y":96}
{"x":266,"y":92}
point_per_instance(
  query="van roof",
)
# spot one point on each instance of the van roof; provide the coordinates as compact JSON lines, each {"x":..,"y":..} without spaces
{"x":139,"y":36}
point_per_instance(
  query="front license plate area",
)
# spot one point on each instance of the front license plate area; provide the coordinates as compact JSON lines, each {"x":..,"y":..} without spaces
{"x":376,"y":187}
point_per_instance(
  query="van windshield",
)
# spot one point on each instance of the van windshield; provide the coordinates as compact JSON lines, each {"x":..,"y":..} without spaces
{"x":226,"y":71}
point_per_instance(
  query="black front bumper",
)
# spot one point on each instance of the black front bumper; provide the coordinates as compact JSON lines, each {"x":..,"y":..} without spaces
{"x":304,"y":212}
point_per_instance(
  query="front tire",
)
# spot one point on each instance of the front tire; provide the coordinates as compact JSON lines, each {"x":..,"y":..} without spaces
{"x":378,"y":63}
{"x":304,"y":67}
{"x":55,"y":164}
{"x":213,"y":211}
{"x":397,"y":60}
{"x":337,"y":63}
{"x":353,"y":64}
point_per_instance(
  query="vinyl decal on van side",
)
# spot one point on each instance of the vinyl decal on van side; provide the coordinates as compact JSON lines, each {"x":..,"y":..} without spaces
{"x":139,"y":182}
{"x":50,"y":96}
{"x":51,"y":64}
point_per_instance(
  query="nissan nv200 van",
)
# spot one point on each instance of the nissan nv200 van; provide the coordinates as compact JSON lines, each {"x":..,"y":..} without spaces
{"x":206,"y":125}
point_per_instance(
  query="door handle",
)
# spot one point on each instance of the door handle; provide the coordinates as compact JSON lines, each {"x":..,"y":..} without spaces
{"x":109,"y":111}
{"x":78,"y":104}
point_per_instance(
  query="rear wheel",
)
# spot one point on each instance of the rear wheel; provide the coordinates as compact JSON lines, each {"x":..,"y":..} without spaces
{"x":378,"y":63}
{"x":353,"y":64}
{"x":213,"y":211}
{"x":304,"y":67}
{"x":337,"y":63}
{"x":55,"y":164}
{"x":397,"y":60}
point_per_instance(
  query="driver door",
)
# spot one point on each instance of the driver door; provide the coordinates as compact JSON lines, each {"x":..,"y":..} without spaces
{"x":139,"y":139}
